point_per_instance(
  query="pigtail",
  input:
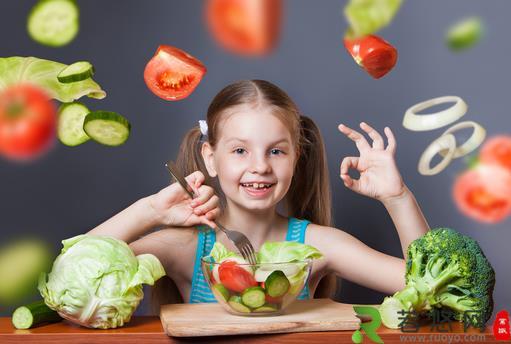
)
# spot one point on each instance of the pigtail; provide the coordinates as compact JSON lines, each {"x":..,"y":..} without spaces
{"x":309,"y":195}
{"x":189,"y":160}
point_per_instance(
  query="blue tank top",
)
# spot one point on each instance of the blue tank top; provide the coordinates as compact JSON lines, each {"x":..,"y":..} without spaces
{"x":200,"y":290}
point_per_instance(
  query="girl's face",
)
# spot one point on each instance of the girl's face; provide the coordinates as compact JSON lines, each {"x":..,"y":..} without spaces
{"x":254,"y":157}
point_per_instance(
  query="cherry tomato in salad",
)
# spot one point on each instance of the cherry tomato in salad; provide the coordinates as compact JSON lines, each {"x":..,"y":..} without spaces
{"x":375,"y":55}
{"x":497,"y":150}
{"x":246,"y":27}
{"x":27,"y":121}
{"x":173,"y":74}
{"x":235,"y":277}
{"x":484,"y":193}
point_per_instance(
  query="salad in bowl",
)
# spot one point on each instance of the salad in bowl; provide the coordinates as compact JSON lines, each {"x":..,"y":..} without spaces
{"x":265,"y":288}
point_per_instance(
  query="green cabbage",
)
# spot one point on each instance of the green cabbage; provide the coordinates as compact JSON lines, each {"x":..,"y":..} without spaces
{"x":366,"y":17}
{"x":43,"y":73}
{"x":97,"y":281}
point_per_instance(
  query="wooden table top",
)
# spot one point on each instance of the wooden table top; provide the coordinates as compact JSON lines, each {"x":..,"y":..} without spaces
{"x":145,"y":329}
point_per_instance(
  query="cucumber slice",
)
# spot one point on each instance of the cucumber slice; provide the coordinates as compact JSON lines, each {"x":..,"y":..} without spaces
{"x":277,"y":284}
{"x":266,"y":308}
{"x":77,"y":71}
{"x":220,"y":291}
{"x":70,"y":124}
{"x":107,"y":128}
{"x":33,"y":314}
{"x":253,"y":297}
{"x":237,"y":305}
{"x":53,"y":22}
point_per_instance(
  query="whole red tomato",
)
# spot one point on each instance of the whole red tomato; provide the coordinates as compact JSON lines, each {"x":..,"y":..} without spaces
{"x":245,"y":27}
{"x":484,"y":193}
{"x":372,"y":53}
{"x":27,"y":121}
{"x":497,"y":150}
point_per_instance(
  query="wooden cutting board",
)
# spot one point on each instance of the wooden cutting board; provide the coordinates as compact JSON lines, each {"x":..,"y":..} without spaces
{"x":210,"y":319}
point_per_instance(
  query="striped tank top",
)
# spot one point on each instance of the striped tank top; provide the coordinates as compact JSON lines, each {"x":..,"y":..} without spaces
{"x":200,"y":290}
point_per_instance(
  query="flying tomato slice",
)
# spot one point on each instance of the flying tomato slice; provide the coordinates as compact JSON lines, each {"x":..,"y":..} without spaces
{"x":375,"y":55}
{"x":173,"y":74}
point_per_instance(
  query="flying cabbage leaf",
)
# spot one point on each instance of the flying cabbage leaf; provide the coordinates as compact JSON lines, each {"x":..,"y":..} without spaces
{"x":97,"y":281}
{"x":366,"y":17}
{"x":43,"y":73}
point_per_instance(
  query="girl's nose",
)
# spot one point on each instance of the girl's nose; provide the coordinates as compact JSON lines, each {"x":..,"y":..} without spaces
{"x":260,"y":165}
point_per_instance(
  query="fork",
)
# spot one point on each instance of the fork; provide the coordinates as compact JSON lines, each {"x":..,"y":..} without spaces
{"x":237,"y":238}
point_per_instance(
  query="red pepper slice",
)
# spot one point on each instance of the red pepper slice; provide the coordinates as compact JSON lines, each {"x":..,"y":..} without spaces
{"x":372,"y":53}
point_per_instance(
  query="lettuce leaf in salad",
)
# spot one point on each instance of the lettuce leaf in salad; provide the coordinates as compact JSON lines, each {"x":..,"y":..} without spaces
{"x":366,"y":17}
{"x":43,"y":73}
{"x":286,"y":251}
{"x":220,"y":253}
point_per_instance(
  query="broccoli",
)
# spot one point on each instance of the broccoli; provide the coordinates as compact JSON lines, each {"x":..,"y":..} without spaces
{"x":443,"y":269}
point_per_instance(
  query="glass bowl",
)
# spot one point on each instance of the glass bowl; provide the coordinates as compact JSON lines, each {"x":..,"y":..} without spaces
{"x":255,"y":289}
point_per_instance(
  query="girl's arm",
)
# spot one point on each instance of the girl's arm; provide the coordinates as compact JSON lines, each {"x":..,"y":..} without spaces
{"x":407,"y":217}
{"x":171,"y":207}
{"x":380,"y":179}
{"x":351,"y":259}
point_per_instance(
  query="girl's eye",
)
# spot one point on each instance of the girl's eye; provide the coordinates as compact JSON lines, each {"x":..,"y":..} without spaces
{"x":239,"y":151}
{"x":276,"y":151}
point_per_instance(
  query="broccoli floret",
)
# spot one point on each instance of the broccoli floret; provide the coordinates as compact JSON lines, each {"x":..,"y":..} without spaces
{"x":443,"y":269}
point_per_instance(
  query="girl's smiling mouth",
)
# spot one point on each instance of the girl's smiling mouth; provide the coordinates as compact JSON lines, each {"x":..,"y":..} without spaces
{"x":257,"y":189}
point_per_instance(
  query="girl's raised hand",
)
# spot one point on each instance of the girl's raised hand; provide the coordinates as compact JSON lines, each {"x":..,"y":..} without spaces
{"x":379,"y":176}
{"x":175,"y":208}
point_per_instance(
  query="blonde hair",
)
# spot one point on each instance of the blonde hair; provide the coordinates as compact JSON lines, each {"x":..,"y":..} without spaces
{"x":309,"y":193}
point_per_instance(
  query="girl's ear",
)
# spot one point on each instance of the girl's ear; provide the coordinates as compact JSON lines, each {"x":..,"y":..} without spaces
{"x":209,"y":159}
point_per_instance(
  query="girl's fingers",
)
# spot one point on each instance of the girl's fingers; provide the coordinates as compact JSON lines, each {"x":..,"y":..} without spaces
{"x":391,"y":139}
{"x":211,"y":204}
{"x":373,"y":134}
{"x":350,"y":183}
{"x":355,"y":136}
{"x":347,"y":163}
{"x":204,"y":194}
{"x":195,"y":180}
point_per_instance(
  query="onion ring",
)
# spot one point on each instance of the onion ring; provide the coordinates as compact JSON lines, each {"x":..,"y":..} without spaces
{"x":475,"y":140}
{"x":444,"y":142}
{"x":436,"y":120}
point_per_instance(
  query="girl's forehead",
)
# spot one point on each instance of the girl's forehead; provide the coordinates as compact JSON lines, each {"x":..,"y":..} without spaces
{"x":248,"y":123}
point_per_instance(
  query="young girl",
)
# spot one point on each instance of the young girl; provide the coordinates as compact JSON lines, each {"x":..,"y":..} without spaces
{"x":260,"y":168}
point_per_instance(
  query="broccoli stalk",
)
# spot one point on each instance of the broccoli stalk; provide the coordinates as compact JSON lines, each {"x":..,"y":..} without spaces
{"x":444,"y":269}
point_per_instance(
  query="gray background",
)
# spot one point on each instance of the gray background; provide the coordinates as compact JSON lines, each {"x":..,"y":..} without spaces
{"x":71,"y":190}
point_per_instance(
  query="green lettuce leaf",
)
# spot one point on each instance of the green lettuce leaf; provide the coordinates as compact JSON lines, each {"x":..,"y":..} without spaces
{"x":43,"y":73}
{"x":97,"y":281}
{"x":286,"y":251}
{"x":366,"y":17}
{"x":220,"y":253}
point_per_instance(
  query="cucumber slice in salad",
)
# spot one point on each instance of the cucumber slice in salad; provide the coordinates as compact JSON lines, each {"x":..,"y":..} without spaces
{"x":70,"y":124}
{"x":266,"y":308}
{"x":237,"y":305}
{"x":77,"y":71}
{"x":53,"y":22}
{"x":106,"y":127}
{"x":253,"y":297}
{"x":277,"y":284}
{"x":33,"y":314}
{"x":220,"y":291}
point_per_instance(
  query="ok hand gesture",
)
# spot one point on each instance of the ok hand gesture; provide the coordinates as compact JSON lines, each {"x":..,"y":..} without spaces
{"x":379,"y":175}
